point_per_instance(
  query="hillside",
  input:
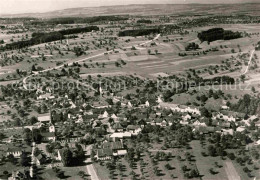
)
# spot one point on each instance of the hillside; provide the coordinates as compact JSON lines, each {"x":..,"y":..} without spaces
{"x":193,"y":9}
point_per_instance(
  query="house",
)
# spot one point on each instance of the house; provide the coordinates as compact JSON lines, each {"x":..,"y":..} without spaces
{"x":197,"y":123}
{"x":203,"y":129}
{"x":120,"y":136}
{"x":224,"y":107}
{"x":116,"y":147}
{"x":40,"y":159}
{"x":129,"y":104}
{"x":51,"y":128}
{"x":147,"y":104}
{"x":227,"y":131}
{"x":44,"y":119}
{"x":134,"y":129}
{"x":59,"y":157}
{"x":117,"y":127}
{"x":224,"y":124}
{"x":16,"y":175}
{"x":241,"y":129}
{"x":48,"y":136}
{"x":257,"y":143}
{"x":104,"y":154}
{"x":15,"y":151}
{"x":114,"y":117}
{"x":182,"y":122}
{"x":186,"y":117}
{"x":45,"y":96}
{"x":105,"y":115}
{"x":179,"y":108}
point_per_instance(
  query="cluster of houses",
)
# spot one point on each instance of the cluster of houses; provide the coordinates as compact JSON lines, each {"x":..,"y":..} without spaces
{"x":119,"y":128}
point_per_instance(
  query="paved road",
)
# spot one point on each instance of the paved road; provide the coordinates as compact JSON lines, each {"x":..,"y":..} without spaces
{"x":77,"y":61}
{"x":249,"y":63}
{"x":90,"y":168}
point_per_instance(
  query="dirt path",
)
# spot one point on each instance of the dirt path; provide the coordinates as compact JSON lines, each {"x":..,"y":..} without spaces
{"x":90,"y":168}
{"x":249,"y":63}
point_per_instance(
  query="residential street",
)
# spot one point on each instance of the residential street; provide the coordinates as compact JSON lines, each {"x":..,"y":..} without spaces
{"x":90,"y":168}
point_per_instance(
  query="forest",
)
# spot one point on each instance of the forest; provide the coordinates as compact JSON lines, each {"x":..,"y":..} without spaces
{"x":138,"y":32}
{"x":145,"y":21}
{"x":218,"y":34}
{"x":76,"y":20}
{"x":38,"y":38}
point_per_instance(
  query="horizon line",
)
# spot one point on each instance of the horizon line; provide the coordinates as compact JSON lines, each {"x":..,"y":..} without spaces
{"x":130,"y":5}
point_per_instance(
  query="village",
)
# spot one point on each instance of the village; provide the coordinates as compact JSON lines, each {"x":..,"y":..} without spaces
{"x":151,"y":91}
{"x":79,"y":133}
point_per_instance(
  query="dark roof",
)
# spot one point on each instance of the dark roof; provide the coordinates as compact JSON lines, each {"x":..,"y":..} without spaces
{"x":117,"y":126}
{"x":132,"y":127}
{"x":224,"y":124}
{"x":48,"y":134}
{"x":104,"y":152}
{"x":112,"y":145}
{"x":40,"y":157}
{"x":234,"y":114}
{"x":14,"y":149}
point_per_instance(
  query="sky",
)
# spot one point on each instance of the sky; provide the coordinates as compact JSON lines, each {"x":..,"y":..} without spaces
{"x":38,"y":6}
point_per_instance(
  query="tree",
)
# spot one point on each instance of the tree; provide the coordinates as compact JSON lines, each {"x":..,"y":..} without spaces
{"x":231,"y":156}
{"x":243,"y":77}
{"x":109,"y":101}
{"x":117,"y":64}
{"x":203,"y":98}
{"x":253,"y":89}
{"x":211,"y":170}
{"x":36,"y":135}
{"x":66,"y":157}
{"x":33,"y":120}
{"x":211,"y":150}
{"x":27,"y":135}
{"x":34,"y":68}
{"x":194,"y":173}
{"x":60,"y":174}
{"x":81,"y":173}
{"x":205,"y":112}
{"x":24,"y":159}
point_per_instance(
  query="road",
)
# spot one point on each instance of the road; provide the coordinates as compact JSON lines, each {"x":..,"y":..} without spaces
{"x":249,"y":63}
{"x":59,"y":67}
{"x":77,"y":61}
{"x":90,"y":168}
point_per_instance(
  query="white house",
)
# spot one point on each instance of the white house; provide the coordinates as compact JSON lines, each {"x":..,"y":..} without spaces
{"x":147,"y":104}
{"x":225,"y":107}
{"x":51,"y":128}
{"x":241,"y":129}
{"x":129,"y":104}
{"x":105,"y":114}
{"x":114,"y":117}
{"x":45,"y":97}
{"x":186,"y":117}
{"x":45,"y":119}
